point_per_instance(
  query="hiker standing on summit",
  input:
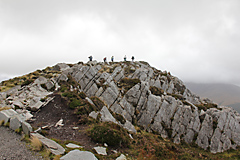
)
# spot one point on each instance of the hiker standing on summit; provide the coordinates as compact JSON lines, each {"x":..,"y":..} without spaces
{"x":132,"y":58}
{"x":125,"y":58}
{"x":90,"y":58}
{"x":112,"y":58}
{"x":104,"y":59}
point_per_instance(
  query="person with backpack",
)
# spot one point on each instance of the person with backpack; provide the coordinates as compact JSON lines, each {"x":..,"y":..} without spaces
{"x":125,"y":58}
{"x":90,"y":58}
{"x":132,"y":58}
{"x":112,"y":58}
{"x":105,"y":59}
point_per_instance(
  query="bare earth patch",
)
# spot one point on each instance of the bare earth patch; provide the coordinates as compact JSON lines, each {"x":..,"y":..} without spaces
{"x":54,"y":111}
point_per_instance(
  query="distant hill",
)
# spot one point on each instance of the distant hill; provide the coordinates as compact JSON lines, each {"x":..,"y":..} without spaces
{"x":223,"y":94}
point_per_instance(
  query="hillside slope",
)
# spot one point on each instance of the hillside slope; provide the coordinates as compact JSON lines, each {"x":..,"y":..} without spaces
{"x":131,"y":95}
{"x":223,"y":94}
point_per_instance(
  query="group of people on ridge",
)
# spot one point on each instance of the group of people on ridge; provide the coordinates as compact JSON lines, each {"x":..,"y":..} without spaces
{"x":112,"y":58}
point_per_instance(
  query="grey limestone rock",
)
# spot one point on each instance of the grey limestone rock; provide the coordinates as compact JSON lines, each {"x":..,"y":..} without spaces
{"x":61,"y":67}
{"x":5,"y":115}
{"x":205,"y":133}
{"x":127,"y":106}
{"x":101,"y":150}
{"x":71,"y":145}
{"x":40,"y":80}
{"x":106,"y":116}
{"x":27,"y":128}
{"x":108,"y":96}
{"x":122,"y":157}
{"x":16,"y":121}
{"x":49,"y":84}
{"x":93,"y":114}
{"x":78,"y":155}
{"x":152,"y":106}
{"x":128,"y":125}
{"x":54,"y":147}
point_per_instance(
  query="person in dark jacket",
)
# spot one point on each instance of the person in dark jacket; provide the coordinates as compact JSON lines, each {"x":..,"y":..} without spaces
{"x":112,"y":58}
{"x":125,"y":58}
{"x":90,"y":58}
{"x":132,"y":58}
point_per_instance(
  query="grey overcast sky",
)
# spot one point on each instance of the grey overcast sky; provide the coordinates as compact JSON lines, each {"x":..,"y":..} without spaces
{"x":196,"y":40}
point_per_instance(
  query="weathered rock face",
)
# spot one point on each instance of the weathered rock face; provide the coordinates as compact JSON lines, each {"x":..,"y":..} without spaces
{"x":144,"y":96}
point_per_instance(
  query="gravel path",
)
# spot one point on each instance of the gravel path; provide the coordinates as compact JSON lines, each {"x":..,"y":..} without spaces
{"x":11,"y":147}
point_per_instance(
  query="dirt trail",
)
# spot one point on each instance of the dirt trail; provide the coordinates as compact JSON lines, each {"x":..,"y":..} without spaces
{"x":12,"y":148}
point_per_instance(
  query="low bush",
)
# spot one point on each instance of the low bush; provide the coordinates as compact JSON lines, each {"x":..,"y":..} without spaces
{"x":75,"y":103}
{"x":111,"y":134}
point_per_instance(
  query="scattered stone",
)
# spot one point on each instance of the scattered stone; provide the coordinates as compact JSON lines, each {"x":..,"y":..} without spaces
{"x":100,"y":150}
{"x":105,"y":145}
{"x":114,"y":151}
{"x":79,"y":155}
{"x":46,"y":127}
{"x":75,"y":128}
{"x":59,"y":123}
{"x":94,"y":114}
{"x":130,"y":136}
{"x":122,"y":157}
{"x":28,"y":115}
{"x":71,"y":145}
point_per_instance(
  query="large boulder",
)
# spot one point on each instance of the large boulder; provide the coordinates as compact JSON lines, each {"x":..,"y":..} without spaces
{"x":60,"y":67}
{"x":54,"y":147}
{"x":5,"y":115}
{"x":16,"y":121}
{"x":78,"y":155}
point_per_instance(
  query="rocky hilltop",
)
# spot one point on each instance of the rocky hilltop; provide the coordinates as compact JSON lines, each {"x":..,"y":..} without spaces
{"x":139,"y":94}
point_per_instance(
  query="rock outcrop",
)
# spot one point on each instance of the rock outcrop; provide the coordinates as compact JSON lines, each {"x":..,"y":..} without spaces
{"x":142,"y":95}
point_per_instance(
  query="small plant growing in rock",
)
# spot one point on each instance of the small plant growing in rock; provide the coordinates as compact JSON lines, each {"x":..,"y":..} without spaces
{"x":82,"y":95}
{"x":18,"y":131}
{"x":1,"y":122}
{"x":98,"y":103}
{"x":7,"y":124}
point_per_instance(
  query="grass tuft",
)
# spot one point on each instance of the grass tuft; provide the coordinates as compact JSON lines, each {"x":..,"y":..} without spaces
{"x":36,"y":144}
{"x":4,"y":108}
